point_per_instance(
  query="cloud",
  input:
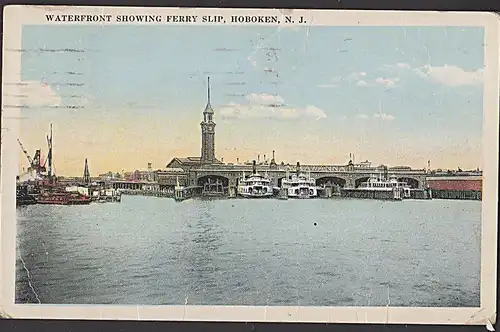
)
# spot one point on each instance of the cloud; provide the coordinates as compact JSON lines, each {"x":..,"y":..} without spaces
{"x":334,"y":83}
{"x":399,"y":65}
{"x":264,"y":99}
{"x":356,"y":76}
{"x":384,"y":116}
{"x":451,"y":75}
{"x":36,"y":94}
{"x":361,"y":83}
{"x":262,"y":106}
{"x":315,"y":112}
{"x":380,"y":116}
{"x":386,"y":81}
{"x":403,"y":65}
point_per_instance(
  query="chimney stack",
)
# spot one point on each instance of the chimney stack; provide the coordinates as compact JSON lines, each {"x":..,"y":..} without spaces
{"x":254,"y":168}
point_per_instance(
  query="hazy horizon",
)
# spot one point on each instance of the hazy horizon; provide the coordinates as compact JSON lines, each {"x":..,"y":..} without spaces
{"x":123,"y":96}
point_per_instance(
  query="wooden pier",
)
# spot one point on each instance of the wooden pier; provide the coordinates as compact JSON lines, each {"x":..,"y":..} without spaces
{"x":394,"y":195}
{"x":183,"y":193}
{"x":154,"y":193}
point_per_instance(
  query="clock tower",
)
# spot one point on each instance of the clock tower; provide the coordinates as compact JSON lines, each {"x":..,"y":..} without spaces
{"x":208,"y":132}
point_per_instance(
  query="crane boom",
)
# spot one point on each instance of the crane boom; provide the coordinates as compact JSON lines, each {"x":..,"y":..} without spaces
{"x":25,"y":152}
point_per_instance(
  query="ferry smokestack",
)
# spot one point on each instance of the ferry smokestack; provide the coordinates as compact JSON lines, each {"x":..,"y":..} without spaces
{"x":254,"y":168}
{"x":298,"y":168}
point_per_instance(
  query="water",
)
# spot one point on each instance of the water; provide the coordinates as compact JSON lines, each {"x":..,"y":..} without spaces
{"x":341,"y":252}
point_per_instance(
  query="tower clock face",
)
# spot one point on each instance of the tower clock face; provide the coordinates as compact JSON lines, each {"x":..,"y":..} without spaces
{"x":208,"y":127}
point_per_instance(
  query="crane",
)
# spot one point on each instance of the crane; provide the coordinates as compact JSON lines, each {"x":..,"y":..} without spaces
{"x":49,"y":155}
{"x":26,"y":153}
{"x":35,"y":162}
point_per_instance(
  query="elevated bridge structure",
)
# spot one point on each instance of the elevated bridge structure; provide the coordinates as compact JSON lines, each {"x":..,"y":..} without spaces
{"x":345,"y":176}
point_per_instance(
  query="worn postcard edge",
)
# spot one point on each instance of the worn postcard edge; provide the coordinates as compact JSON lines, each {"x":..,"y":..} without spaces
{"x":17,"y":16}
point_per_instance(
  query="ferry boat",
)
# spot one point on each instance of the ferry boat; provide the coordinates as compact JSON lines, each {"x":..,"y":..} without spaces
{"x":255,"y":186}
{"x":300,"y":186}
{"x":63,"y":198}
{"x":377,"y":183}
{"x":378,"y":188}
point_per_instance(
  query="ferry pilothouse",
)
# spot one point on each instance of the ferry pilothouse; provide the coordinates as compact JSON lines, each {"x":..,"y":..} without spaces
{"x":300,"y":185}
{"x":377,"y":183}
{"x":255,"y":185}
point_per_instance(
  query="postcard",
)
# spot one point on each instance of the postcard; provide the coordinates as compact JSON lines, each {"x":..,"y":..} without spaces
{"x":256,"y":165}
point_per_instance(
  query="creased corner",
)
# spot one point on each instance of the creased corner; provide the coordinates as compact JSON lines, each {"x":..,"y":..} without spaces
{"x":489,"y":326}
{"x":4,"y":315}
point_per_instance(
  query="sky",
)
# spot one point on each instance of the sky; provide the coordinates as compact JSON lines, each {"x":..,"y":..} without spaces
{"x":123,"y":96}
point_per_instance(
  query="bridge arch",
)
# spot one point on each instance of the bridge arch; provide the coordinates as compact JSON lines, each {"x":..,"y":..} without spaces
{"x":360,"y":180}
{"x":412,"y":182}
{"x":212,"y":179}
{"x":330,"y":181}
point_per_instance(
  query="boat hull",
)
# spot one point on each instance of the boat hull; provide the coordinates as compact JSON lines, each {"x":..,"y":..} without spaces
{"x":255,"y":195}
{"x":302,"y":193}
{"x":62,"y":199}
{"x":25,"y":201}
{"x":70,"y":202}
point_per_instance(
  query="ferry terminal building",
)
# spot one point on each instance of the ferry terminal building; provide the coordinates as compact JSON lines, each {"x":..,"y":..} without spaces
{"x":198,"y":171}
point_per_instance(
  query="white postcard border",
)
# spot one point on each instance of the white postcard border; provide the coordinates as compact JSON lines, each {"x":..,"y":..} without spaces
{"x":16,"y":16}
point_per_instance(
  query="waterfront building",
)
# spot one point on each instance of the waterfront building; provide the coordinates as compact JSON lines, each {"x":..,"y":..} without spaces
{"x":456,"y":187}
{"x":179,"y":167}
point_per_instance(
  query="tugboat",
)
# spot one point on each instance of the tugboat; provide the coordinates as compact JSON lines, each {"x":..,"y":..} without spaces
{"x":299,"y":185}
{"x":255,"y":186}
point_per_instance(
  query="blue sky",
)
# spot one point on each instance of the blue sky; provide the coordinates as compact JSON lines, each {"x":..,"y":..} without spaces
{"x":393,"y":95}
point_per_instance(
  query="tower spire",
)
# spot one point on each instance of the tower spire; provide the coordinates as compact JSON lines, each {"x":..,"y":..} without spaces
{"x":208,"y":90}
{"x":86,"y":173}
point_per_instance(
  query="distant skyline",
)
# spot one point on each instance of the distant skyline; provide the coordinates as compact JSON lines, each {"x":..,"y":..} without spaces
{"x":123,"y":96}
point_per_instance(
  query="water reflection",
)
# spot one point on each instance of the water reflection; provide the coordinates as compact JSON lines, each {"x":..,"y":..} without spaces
{"x":201,"y":265}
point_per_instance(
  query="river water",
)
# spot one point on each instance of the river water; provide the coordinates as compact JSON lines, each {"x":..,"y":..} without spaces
{"x":326,"y":252}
